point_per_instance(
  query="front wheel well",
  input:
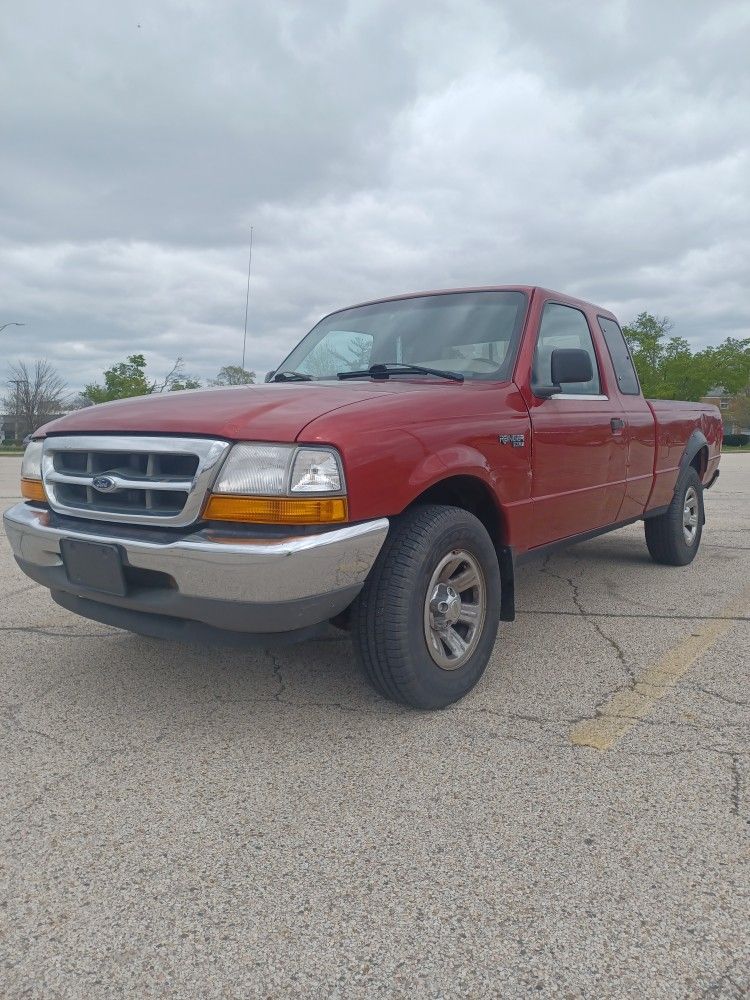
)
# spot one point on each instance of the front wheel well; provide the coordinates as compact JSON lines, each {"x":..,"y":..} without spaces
{"x":474,"y":495}
{"x":471,"y":494}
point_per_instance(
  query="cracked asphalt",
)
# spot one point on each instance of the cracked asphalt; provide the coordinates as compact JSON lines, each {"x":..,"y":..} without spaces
{"x":181,"y":821}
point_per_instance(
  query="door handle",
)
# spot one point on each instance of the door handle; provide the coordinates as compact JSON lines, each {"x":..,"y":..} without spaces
{"x":616,"y":424}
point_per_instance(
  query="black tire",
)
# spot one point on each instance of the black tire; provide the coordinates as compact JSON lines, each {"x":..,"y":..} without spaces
{"x":390,"y":621}
{"x":666,"y":535}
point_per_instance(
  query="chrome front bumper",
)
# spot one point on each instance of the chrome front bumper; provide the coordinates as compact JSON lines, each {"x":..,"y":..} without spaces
{"x":237,"y":581}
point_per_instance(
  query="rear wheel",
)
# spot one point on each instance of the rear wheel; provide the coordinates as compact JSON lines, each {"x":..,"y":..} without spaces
{"x":673,"y":538}
{"x":425,"y":622}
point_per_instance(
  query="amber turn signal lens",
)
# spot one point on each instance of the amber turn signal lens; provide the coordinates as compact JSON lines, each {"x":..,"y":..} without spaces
{"x":276,"y":510}
{"x":33,"y":489}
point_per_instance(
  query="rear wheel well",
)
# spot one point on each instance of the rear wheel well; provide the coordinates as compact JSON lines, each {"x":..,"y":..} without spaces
{"x":700,"y":461}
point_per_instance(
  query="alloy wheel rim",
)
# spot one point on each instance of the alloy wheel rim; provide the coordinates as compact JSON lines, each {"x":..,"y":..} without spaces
{"x":690,"y":515}
{"x":455,"y":607}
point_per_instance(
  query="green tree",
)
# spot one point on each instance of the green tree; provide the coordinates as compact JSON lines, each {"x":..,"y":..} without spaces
{"x":128,"y":378}
{"x":737,"y":413}
{"x":234,"y":375}
{"x":184,"y":383}
{"x":681,"y":375}
{"x":121,"y":381}
{"x":668,"y":369}
{"x":727,"y":365}
{"x":645,"y":337}
{"x":176,"y":380}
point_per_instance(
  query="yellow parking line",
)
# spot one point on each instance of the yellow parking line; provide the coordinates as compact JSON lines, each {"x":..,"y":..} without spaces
{"x":625,"y":708}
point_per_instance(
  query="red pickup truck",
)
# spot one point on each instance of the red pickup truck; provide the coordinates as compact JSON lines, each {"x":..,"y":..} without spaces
{"x":402,"y":461}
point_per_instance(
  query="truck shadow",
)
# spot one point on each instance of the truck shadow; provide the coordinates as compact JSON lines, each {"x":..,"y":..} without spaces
{"x":190,"y":679}
{"x":321,"y":672}
{"x":325,"y":669}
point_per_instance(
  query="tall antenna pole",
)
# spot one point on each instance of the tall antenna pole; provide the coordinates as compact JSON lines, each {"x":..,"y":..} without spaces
{"x":247,"y":296}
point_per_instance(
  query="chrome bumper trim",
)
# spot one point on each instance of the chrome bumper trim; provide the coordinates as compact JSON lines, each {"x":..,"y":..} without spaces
{"x":207,"y":564}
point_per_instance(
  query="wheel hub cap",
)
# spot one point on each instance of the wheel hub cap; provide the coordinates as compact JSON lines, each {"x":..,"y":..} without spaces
{"x":690,"y":516}
{"x":454,"y":609}
{"x":445,"y":606}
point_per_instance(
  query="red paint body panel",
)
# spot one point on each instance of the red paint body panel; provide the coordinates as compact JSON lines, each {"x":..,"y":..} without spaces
{"x":275,"y":412}
{"x":574,"y":473}
{"x":640,"y":435}
{"x":396,"y":447}
{"x":675,"y":422}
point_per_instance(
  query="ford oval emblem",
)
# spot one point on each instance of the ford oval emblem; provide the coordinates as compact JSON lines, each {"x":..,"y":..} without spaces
{"x":104,"y":484}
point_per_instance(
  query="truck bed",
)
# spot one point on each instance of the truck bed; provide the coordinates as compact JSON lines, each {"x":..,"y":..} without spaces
{"x":675,"y":421}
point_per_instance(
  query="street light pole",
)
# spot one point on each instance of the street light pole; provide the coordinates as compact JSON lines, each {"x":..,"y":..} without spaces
{"x":14,"y":382}
{"x":17,"y":382}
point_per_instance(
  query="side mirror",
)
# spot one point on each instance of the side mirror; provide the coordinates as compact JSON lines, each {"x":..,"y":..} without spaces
{"x":570,"y":364}
{"x":269,"y":376}
{"x":546,"y":391}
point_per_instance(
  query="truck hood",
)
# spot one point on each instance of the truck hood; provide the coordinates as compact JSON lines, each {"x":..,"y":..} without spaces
{"x":274,"y":412}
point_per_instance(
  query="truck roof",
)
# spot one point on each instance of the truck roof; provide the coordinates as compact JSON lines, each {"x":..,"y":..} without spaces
{"x":527,"y":289}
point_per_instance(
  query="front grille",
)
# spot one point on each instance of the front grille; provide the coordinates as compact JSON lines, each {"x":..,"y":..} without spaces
{"x":139,"y":480}
{"x":146,"y":478}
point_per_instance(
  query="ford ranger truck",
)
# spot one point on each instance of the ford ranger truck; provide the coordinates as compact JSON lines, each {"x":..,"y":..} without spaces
{"x":400,"y":463}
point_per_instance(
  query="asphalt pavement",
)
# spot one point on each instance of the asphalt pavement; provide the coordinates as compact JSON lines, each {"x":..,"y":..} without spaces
{"x":186,"y":821}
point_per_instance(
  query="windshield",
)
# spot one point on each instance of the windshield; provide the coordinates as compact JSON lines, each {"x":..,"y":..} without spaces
{"x":474,"y":333}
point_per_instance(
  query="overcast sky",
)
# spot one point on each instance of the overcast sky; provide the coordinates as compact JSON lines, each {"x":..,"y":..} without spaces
{"x":377,"y":147}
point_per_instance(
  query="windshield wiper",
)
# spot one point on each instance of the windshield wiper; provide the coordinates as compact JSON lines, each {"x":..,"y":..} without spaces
{"x":384,"y":371}
{"x":291,"y":377}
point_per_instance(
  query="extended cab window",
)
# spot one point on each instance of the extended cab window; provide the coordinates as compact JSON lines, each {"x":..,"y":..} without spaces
{"x":563,"y":326}
{"x":621,"y":360}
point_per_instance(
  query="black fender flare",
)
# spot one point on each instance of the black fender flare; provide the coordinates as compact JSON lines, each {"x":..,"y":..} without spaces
{"x":695,"y":442}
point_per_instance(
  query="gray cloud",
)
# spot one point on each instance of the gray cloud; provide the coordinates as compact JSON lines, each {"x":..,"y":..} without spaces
{"x":376,"y":147}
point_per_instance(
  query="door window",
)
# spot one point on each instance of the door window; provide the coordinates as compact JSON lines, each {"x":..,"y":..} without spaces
{"x":563,"y":326}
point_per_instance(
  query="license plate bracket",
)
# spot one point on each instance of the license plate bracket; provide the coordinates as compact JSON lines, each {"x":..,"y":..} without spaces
{"x":94,"y":565}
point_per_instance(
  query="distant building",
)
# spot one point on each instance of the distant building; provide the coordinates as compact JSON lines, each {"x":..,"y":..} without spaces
{"x":719,"y":396}
{"x":12,"y":426}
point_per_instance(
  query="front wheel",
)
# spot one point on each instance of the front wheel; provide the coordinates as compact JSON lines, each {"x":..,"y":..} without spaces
{"x":426,"y":620}
{"x":673,"y":537}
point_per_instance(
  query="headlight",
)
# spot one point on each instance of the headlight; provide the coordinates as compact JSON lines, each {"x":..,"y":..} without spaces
{"x":261,"y":483}
{"x":259,"y":469}
{"x":31,"y":467}
{"x":31,"y":472}
{"x":315,"y":472}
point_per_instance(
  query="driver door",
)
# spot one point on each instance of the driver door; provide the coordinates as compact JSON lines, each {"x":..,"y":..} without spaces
{"x":579,"y":450}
